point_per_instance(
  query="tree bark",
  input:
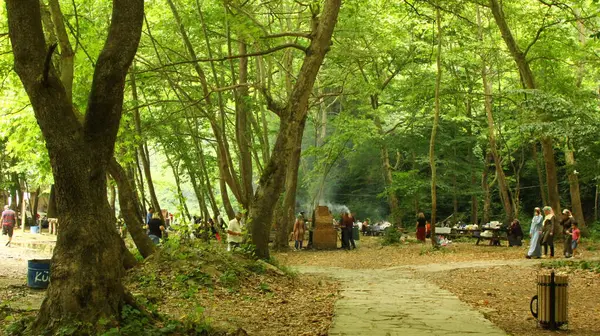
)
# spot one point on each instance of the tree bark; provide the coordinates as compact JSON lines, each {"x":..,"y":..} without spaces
{"x":388,"y":171}
{"x":487,"y":197}
{"x":540,"y":173}
{"x":89,"y":255}
{"x":129,"y":204}
{"x":436,"y":119}
{"x":529,"y":82}
{"x":289,"y":200}
{"x":574,"y":186}
{"x":293,"y":119}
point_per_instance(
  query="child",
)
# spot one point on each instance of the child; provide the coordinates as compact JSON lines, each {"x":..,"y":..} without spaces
{"x":575,"y":233}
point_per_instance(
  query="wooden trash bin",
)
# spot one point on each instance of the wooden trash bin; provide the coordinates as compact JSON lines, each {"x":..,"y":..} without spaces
{"x":324,"y":234}
{"x":552,"y":300}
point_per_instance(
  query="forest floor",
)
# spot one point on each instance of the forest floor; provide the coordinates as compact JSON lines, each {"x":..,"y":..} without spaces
{"x":495,"y":282}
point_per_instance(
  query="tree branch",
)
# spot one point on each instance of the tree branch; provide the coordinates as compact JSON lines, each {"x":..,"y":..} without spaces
{"x":48,"y":63}
{"x":226,"y":58}
{"x":288,"y":34}
{"x":106,"y":97}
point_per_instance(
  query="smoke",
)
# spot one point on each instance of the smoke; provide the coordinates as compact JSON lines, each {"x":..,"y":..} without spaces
{"x":336,"y":209}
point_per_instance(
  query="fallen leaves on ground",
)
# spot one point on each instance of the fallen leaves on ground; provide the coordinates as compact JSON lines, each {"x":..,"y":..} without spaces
{"x":231,"y":292}
{"x":503,"y":295}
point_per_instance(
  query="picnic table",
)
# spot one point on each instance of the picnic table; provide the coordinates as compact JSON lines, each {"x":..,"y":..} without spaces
{"x":498,"y":234}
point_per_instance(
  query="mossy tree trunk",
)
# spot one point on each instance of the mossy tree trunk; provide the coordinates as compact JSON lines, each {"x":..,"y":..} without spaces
{"x":88,"y":260}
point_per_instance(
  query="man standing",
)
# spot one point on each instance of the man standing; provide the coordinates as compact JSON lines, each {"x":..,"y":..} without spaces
{"x":566,"y":223}
{"x":234,"y":232}
{"x":9,"y":219}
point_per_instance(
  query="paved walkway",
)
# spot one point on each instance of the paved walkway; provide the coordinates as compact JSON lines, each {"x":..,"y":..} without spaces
{"x":392,"y":302}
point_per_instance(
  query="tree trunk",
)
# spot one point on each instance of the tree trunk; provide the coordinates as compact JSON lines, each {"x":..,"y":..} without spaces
{"x":143,"y":149}
{"x":574,"y":186}
{"x":289,"y":201}
{"x":36,"y":199}
{"x":551,"y":177}
{"x":88,"y":259}
{"x":540,"y":173}
{"x":129,"y":204}
{"x":487,"y":197}
{"x":487,"y":88}
{"x":225,"y":198}
{"x":436,"y":120}
{"x":293,"y":119}
{"x":388,"y":170}
{"x":529,"y":82}
{"x":112,"y":200}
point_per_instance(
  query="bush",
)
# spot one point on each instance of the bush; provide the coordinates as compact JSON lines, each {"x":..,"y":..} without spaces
{"x":391,"y":236}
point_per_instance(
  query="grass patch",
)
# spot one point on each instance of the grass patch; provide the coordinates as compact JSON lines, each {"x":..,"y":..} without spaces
{"x":571,"y":265}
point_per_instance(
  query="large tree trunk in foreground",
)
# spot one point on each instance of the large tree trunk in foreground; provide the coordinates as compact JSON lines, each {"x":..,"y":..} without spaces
{"x":529,"y":82}
{"x":293,"y":118}
{"x":129,"y":204}
{"x":88,"y":259}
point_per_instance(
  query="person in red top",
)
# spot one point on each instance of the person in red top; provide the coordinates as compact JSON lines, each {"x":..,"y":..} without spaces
{"x":9,"y":219}
{"x":575,"y":233}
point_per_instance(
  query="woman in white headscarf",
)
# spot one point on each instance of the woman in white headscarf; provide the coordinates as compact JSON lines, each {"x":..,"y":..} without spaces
{"x":535,"y":232}
{"x":550,"y":222}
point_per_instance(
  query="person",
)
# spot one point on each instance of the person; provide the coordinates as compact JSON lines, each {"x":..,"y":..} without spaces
{"x":213,"y":229}
{"x":427,"y":230}
{"x":575,"y":234}
{"x":350,"y":228}
{"x":365,"y":227}
{"x":299,"y":232}
{"x":155,"y":228}
{"x":535,"y":232}
{"x":234,"y":232}
{"x":420,"y":227}
{"x":515,"y":233}
{"x":149,"y":215}
{"x":548,"y":231}
{"x":566,"y":223}
{"x":9,"y":220}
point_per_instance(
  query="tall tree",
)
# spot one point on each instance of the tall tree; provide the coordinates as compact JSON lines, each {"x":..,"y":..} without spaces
{"x":88,"y":258}
{"x":292,"y":121}
{"x":434,"y":128}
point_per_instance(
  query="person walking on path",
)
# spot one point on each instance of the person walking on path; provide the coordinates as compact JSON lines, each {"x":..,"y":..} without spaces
{"x":420,"y":228}
{"x":299,"y":232}
{"x":566,"y":223}
{"x":9,"y":220}
{"x":575,"y":234}
{"x":155,"y":228}
{"x":550,"y":222}
{"x":535,"y":232}
{"x":234,"y":232}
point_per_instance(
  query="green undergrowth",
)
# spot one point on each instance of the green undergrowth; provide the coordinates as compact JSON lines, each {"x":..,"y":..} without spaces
{"x":572,"y":265}
{"x":178,"y":275}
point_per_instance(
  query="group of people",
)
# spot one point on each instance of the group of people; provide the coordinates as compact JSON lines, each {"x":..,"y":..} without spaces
{"x":544,"y":229}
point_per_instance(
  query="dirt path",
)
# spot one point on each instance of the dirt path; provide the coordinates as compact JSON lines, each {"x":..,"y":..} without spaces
{"x":393,"y":302}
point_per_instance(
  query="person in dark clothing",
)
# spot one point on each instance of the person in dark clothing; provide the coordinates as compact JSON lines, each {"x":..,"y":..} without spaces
{"x":350,"y":228}
{"x":566,"y":223}
{"x":155,"y":228}
{"x":515,"y":233}
{"x":421,"y":230}
{"x":342,"y":225}
{"x":550,"y":222}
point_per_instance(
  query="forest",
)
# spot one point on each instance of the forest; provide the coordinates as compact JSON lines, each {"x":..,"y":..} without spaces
{"x":476,"y":111}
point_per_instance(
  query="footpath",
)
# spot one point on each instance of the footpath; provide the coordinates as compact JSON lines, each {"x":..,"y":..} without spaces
{"x":389,"y":302}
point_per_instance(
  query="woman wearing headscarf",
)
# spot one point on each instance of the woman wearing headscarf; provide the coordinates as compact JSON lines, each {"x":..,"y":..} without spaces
{"x":535,"y":232}
{"x":566,"y":223}
{"x":550,"y":222}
